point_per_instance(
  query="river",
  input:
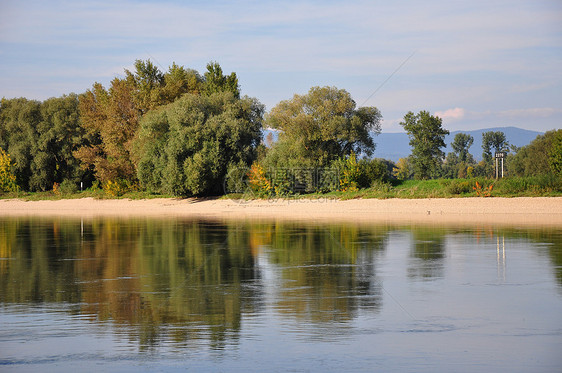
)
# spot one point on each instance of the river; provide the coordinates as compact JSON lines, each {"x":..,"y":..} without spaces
{"x":145,"y":294}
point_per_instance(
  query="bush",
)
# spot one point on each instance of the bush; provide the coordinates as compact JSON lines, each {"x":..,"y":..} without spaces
{"x":372,"y":172}
{"x":459,"y":187}
{"x":118,"y":187}
{"x":258,"y":181}
{"x":538,"y":185}
{"x":68,"y":187}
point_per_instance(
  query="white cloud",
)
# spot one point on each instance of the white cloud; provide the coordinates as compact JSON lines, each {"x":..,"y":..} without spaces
{"x":451,"y":114}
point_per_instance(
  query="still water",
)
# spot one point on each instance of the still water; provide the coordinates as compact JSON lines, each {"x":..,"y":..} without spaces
{"x":135,"y":295}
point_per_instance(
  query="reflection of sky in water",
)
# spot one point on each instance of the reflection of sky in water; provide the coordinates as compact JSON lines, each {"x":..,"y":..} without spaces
{"x":145,"y":295}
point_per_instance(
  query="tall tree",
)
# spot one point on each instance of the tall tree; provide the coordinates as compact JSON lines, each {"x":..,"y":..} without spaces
{"x":427,"y":137}
{"x":461,"y":144}
{"x":146,"y":83}
{"x":188,"y":147}
{"x":111,"y":118}
{"x":495,"y":141}
{"x":41,"y":136}
{"x":320,"y":127}
{"x":19,"y":120}
{"x":60,"y":134}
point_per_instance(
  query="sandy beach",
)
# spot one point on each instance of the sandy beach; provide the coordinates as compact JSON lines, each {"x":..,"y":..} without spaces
{"x":501,"y":211}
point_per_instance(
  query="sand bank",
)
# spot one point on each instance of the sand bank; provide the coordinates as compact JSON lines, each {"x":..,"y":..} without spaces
{"x":510,"y":211}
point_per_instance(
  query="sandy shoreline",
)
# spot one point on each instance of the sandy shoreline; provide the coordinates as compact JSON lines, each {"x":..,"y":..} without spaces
{"x":501,"y":211}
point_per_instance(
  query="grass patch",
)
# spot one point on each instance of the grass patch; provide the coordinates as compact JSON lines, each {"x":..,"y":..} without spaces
{"x":537,"y":186}
{"x":97,"y":194}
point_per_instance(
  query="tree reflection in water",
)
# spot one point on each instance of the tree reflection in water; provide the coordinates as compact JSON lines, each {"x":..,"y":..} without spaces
{"x":428,"y":253}
{"x":189,"y":282}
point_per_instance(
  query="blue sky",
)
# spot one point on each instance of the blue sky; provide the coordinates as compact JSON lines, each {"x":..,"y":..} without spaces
{"x":477,"y":64}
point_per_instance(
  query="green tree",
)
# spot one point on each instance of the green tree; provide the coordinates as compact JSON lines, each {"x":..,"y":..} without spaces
{"x":495,"y":141}
{"x":427,"y":137}
{"x":111,"y":117}
{"x":450,"y":167}
{"x":555,"y":154}
{"x":374,"y":171}
{"x":19,"y":119}
{"x":320,"y":127}
{"x":215,"y":81}
{"x":537,"y":157}
{"x":461,"y":144}
{"x":188,"y":147}
{"x":457,"y":162}
{"x":41,"y":136}
{"x":147,"y":83}
{"x":60,"y":134}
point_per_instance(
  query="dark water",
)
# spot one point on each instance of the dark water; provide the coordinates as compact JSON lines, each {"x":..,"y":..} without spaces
{"x":177,"y":295}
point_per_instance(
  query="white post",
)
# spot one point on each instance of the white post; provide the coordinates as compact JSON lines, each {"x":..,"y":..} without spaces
{"x":502,"y":168}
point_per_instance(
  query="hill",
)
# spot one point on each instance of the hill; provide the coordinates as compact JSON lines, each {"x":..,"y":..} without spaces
{"x":394,"y":146}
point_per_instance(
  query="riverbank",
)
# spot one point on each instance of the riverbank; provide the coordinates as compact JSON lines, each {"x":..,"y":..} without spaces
{"x":511,"y":211}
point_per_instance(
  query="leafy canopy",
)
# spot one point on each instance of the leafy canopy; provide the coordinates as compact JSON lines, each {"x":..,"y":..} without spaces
{"x":461,"y":143}
{"x":427,"y":137}
{"x":493,"y":140}
{"x":541,"y":157}
{"x":188,"y":147}
{"x":40,"y":137}
{"x":321,"y":126}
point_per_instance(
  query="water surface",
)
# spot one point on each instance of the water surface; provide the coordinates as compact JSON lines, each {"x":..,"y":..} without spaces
{"x":175,"y":295}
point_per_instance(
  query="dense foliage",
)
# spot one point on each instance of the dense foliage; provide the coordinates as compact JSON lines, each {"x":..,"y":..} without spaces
{"x":542,"y":156}
{"x":183,"y":133}
{"x":427,"y":137}
{"x":319,"y":133}
{"x":41,"y":138}
{"x":187,"y":147}
{"x":320,"y":127}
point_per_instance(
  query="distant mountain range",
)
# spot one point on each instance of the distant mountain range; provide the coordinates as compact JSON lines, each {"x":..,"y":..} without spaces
{"x":394,"y":146}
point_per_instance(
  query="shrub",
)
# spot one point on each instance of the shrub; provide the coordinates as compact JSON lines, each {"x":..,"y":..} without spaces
{"x":538,"y":185}
{"x":56,"y":188}
{"x":459,"y":187}
{"x":349,"y":174}
{"x":258,"y":181}
{"x":372,"y":172}
{"x":482,"y":190}
{"x":68,"y":187}
{"x":7,"y":177}
{"x":118,"y":187}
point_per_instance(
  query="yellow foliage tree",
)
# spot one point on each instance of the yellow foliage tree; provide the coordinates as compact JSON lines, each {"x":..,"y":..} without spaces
{"x":403,"y":169}
{"x":258,"y":181}
{"x":349,"y":175}
{"x":7,"y":177}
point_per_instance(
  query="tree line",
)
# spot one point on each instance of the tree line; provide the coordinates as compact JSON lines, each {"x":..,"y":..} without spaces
{"x":183,"y":133}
